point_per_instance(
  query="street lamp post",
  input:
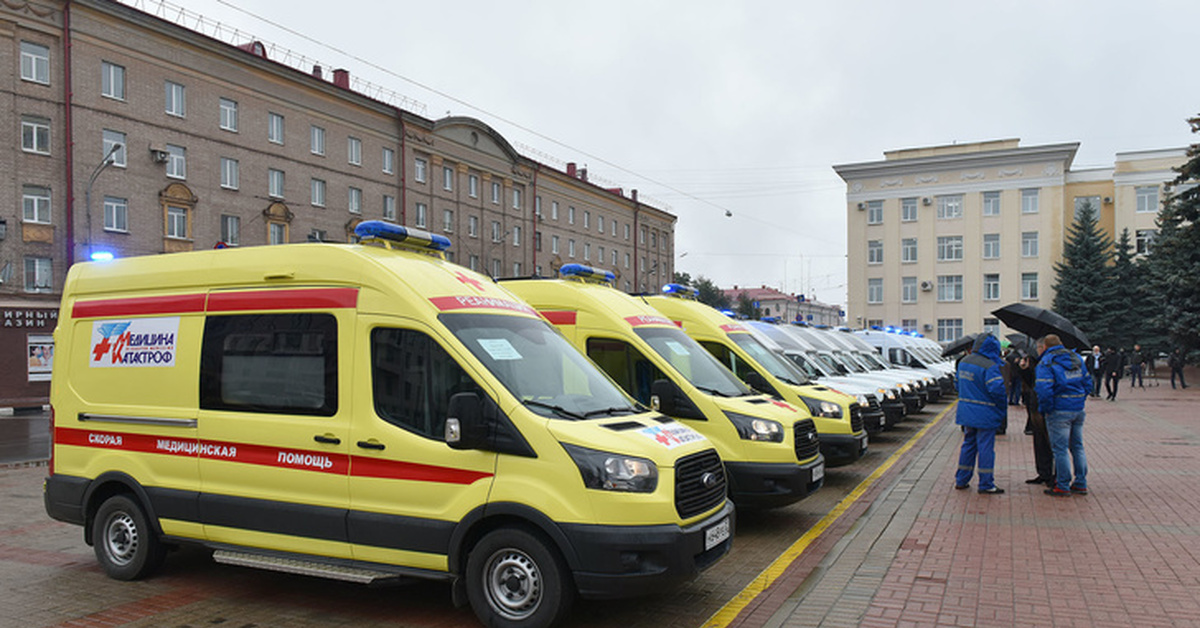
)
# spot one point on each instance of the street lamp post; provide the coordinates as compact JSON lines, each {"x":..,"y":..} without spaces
{"x":87,"y":192}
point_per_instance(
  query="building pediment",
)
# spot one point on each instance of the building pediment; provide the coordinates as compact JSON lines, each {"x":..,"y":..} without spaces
{"x":476,"y":135}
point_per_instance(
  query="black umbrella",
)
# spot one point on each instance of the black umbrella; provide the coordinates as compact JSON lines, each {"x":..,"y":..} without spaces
{"x":960,"y":345}
{"x":1036,"y":322}
{"x":1022,"y":343}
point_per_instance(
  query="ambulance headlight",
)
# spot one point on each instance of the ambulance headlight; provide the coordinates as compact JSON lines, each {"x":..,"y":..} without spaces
{"x":826,"y":409}
{"x":906,"y":388}
{"x":754,"y":428}
{"x":863,"y":401}
{"x":614,"y":472}
{"x":887,"y":393}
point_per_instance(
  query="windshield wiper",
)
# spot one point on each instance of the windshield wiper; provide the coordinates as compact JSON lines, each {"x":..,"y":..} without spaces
{"x":558,"y":409}
{"x":711,"y":391}
{"x":609,"y":411}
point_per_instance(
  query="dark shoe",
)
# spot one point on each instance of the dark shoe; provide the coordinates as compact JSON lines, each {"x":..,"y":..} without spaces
{"x":1038,"y":480}
{"x":961,"y":487}
{"x":1001,"y":432}
{"x":1057,"y":492}
{"x":1079,"y":490}
{"x":995,"y":490}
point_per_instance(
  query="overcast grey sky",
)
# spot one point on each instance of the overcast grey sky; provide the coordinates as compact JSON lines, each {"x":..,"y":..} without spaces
{"x":744,"y":106}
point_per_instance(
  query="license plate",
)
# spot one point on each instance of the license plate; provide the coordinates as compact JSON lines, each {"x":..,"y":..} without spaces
{"x":863,"y":444}
{"x":717,"y":534}
{"x":818,"y":472}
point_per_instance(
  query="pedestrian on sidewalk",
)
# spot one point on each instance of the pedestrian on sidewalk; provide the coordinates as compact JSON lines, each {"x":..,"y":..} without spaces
{"x":1137,"y":361}
{"x":1010,"y":376}
{"x":1093,"y":362}
{"x":1114,"y":370}
{"x":1043,"y":455}
{"x":982,"y":407}
{"x":1061,"y":386}
{"x":1175,"y":362}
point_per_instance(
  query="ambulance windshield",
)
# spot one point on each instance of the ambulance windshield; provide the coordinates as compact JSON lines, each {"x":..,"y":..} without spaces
{"x":539,"y":367}
{"x":692,"y":361}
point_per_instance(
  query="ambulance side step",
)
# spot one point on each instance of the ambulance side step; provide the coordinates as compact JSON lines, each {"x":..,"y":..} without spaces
{"x":302,"y":567}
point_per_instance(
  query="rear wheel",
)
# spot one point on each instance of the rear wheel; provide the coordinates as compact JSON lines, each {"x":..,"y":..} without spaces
{"x":516,"y":579}
{"x":125,"y":544}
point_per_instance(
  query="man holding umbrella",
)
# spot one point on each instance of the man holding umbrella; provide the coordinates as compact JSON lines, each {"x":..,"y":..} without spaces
{"x":1062,"y":389}
{"x":982,"y":407}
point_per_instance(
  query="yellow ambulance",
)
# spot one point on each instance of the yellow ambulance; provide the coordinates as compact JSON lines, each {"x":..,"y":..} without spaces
{"x":366,"y":412}
{"x":770,"y":447}
{"x":838,"y":417}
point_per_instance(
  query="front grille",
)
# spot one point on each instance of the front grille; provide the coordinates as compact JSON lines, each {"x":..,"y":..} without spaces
{"x":873,"y":403}
{"x":807,"y":443}
{"x":692,"y":497}
{"x":856,"y":420}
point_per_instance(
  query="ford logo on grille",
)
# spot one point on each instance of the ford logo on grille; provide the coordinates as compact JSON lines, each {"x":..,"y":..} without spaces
{"x":710,"y":480}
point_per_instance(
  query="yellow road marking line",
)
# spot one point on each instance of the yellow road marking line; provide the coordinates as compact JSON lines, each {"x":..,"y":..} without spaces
{"x":768,"y":576}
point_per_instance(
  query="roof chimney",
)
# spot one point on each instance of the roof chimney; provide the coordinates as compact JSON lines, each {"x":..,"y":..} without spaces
{"x":316,"y":72}
{"x":341,"y":78}
{"x":570,"y":168}
{"x":583,"y":174}
{"x":634,"y":194}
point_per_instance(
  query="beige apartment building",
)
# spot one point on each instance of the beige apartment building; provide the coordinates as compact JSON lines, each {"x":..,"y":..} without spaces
{"x":941,"y":236}
{"x":133,"y":135}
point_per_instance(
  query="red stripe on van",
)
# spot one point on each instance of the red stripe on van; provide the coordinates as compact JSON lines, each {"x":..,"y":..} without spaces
{"x":471,"y":302}
{"x":646,"y":319}
{"x":300,"y":299}
{"x":139,"y":306}
{"x":561,"y":317}
{"x":396,"y":470}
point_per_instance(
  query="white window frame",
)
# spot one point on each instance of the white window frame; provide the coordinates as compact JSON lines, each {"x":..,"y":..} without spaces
{"x":587,"y":251}
{"x":276,"y":233}
{"x":874,"y":251}
{"x":1147,"y":199}
{"x":275,"y":127}
{"x":516,"y":198}
{"x":1080,"y":201}
{"x":991,"y":246}
{"x":35,"y":135}
{"x":473,"y":226}
{"x":587,"y":219}
{"x":448,"y":178}
{"x":909,"y":289}
{"x":875,"y":290}
{"x":516,"y":235}
{"x":571,"y":249}
{"x":175,"y":99}
{"x":420,"y":170}
{"x":949,"y":329}
{"x":176,"y":162}
{"x":354,"y":200}
{"x":448,"y":220}
{"x":421,"y":216}
{"x":39,"y":275}
{"x":908,"y":209}
{"x":317,"y":189}
{"x":1029,"y":286}
{"x":230,"y":173}
{"x":950,"y":248}
{"x":231,"y":230}
{"x":473,"y":185}
{"x":949,"y":288}
{"x":570,"y":214}
{"x":874,"y":212}
{"x":553,"y":210}
{"x":1029,"y":244}
{"x":991,"y":286}
{"x":116,"y":214}
{"x":109,"y":139}
{"x":353,"y":151}
{"x":908,"y":251}
{"x":112,"y":80}
{"x":35,"y":63}
{"x":991,"y":203}
{"x":316,"y":140}
{"x":496,"y":232}
{"x":276,"y":179}
{"x":1144,"y":240}
{"x":1030,"y":200}
{"x":36,"y":205}
{"x":388,"y":159}
{"x":554,"y":244}
{"x":496,"y":192}
{"x":389,"y":207}
{"x":228,"y":119}
{"x":177,"y":222}
{"x":949,"y":206}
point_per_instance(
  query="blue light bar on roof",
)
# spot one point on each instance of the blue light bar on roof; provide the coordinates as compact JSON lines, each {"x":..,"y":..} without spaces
{"x":680,"y":290}
{"x":579,"y":271}
{"x":405,"y":235}
{"x":102,"y":256}
{"x":729,"y":313}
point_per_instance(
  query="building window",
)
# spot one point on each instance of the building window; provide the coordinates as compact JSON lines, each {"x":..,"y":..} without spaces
{"x":274,"y":128}
{"x":495,"y":193}
{"x":229,"y":173}
{"x":112,"y":80}
{"x":1029,"y":201}
{"x":553,"y":210}
{"x":1029,"y":244}
{"x":516,"y":234}
{"x":949,"y":329}
{"x":495,"y":267}
{"x":570,"y":215}
{"x":991,"y":203}
{"x":1147,"y":199}
{"x":389,"y":207}
{"x":908,"y":289}
{"x":354,"y":200}
{"x":991,"y":287}
{"x":875,"y":251}
{"x":276,"y":233}
{"x":908,"y":250}
{"x":587,"y":219}
{"x":627,"y":232}
{"x":495,"y":231}
{"x":908,"y":209}
{"x":875,"y":290}
{"x":35,"y":201}
{"x":35,"y":135}
{"x":473,"y":185}
{"x":231,"y":229}
{"x":600,"y":224}
{"x":177,"y":222}
{"x":991,"y":246}
{"x":1086,"y":201}
{"x":473,"y":226}
{"x":318,"y":235}
{"x":354,"y":151}
{"x":229,"y":114}
{"x":516,"y":269}
{"x":317,"y":187}
{"x":389,"y":161}
{"x":1029,"y":286}
{"x":874,"y":212}
{"x":116,"y":214}
{"x":176,"y":162}
{"x":626,"y":266}
{"x":571,"y":249}
{"x":473,"y":262}
{"x":950,"y":288}
{"x":950,"y":248}
{"x":587,"y":251}
{"x":908,"y":324}
{"x":516,"y":198}
{"x":176,"y":99}
{"x":114,"y":147}
{"x":642,"y":236}
{"x":614,"y":258}
{"x":654,"y":239}
{"x":949,"y":206}
{"x":316,"y":140}
{"x":39,"y":277}
{"x":448,"y":178}
{"x":274,"y":183}
{"x":554,"y":244}
{"x":420,"y":170}
{"x":448,"y":220}
{"x":599,"y":255}
{"x":421,"y":215}
{"x":614,"y":227}
{"x":1145,"y":240}
{"x":35,"y":63}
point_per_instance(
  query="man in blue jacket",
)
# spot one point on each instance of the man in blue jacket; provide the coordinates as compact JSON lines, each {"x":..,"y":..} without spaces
{"x":982,"y":408}
{"x":1062,"y":389}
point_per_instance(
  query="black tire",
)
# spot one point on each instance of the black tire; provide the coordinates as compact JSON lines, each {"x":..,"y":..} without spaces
{"x":516,"y":579}
{"x":126,"y":546}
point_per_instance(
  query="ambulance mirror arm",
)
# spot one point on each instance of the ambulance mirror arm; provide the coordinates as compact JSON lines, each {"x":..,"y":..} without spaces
{"x":673,"y":402}
{"x":474,"y":421}
{"x":755,"y":380}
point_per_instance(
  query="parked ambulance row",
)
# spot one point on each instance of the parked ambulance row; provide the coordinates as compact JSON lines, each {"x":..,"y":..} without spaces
{"x":370,"y":411}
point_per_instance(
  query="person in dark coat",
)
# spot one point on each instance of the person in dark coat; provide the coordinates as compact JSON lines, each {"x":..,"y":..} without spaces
{"x":1094,"y":362}
{"x":1175,"y":362}
{"x":1114,"y":370}
{"x":1043,"y":455}
{"x":1010,"y":377}
{"x":1137,"y":360}
{"x":982,"y":406}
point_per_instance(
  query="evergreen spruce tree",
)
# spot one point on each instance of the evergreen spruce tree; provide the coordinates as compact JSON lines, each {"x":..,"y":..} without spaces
{"x":1133,"y":316}
{"x":745,"y":307}
{"x":1084,"y":292}
{"x":1174,"y":263}
{"x":710,"y":294}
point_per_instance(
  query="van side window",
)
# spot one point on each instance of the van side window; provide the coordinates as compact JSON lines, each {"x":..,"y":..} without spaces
{"x":273,"y":363}
{"x":626,"y":365}
{"x":413,"y":379}
{"x":728,"y":358}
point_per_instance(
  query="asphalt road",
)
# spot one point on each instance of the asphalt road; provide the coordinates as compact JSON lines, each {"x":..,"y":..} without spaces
{"x":24,"y":437}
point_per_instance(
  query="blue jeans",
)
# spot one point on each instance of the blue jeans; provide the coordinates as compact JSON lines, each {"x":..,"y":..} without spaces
{"x":1066,"y":434}
{"x":981,"y":444}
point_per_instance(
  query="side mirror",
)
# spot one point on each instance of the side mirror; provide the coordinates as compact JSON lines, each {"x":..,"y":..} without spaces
{"x":755,"y":380}
{"x":668,"y":398}
{"x":465,"y":425}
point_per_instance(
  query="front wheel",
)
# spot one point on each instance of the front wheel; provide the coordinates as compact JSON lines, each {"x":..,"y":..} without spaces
{"x":515,"y":579}
{"x":124,"y":543}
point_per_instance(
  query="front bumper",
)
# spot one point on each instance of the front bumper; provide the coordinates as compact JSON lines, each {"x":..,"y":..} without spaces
{"x":773,"y":484}
{"x":842,"y":449}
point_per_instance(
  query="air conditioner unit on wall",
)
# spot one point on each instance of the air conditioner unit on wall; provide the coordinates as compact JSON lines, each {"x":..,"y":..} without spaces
{"x":1108,"y":200}
{"x":926,"y":286}
{"x":927,"y":327}
{"x":926,"y":201}
{"x":862,"y":206}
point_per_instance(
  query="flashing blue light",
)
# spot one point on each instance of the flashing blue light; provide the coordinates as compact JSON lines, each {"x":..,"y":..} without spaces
{"x":890,"y":329}
{"x":395,"y":233}
{"x":586,"y":272}
{"x":729,"y":313}
{"x":680,"y":290}
{"x":876,"y":328}
{"x":102,"y":256}
{"x":769,"y":319}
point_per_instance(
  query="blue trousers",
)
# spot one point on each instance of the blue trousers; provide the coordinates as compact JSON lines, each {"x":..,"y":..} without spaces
{"x":978,"y":444}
